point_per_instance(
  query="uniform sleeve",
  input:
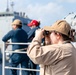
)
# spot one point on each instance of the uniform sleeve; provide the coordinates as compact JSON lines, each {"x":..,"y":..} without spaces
{"x":46,"y":55}
{"x":7,"y":36}
{"x":31,"y":33}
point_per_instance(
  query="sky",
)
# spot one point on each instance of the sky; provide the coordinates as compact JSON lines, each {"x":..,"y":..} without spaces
{"x":45,"y":11}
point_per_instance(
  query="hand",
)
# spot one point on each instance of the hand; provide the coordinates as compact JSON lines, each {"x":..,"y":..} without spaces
{"x":39,"y":33}
{"x":47,"y":40}
{"x":6,"y":45}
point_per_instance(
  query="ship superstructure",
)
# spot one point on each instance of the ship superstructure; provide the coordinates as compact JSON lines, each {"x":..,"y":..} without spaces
{"x":71,"y":19}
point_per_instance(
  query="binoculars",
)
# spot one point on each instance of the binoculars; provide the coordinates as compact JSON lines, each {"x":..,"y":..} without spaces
{"x":45,"y":33}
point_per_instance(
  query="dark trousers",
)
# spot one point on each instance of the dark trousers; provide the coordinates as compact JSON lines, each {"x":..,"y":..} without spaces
{"x":38,"y":68}
{"x":33,"y":66}
{"x":18,"y":58}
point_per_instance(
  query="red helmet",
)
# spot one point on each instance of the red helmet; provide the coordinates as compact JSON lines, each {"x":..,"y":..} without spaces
{"x":33,"y":22}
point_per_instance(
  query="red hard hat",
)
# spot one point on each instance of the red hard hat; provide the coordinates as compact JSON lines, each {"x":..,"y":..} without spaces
{"x":33,"y":22}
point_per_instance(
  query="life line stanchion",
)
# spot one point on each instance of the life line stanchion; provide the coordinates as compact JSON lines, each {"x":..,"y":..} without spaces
{"x":3,"y":59}
{"x":20,"y":72}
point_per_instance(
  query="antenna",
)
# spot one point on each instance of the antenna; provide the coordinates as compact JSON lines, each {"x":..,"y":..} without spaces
{"x":7,"y":10}
{"x":12,"y":5}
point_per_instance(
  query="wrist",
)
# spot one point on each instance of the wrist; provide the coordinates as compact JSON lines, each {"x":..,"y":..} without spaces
{"x":39,"y":39}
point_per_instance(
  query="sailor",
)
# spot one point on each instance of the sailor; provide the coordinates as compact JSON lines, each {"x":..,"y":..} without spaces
{"x":17,"y":35}
{"x":58,"y":56}
{"x":34,"y":25}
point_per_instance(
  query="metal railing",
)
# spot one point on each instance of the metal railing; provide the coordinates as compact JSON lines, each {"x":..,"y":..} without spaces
{"x":9,"y":51}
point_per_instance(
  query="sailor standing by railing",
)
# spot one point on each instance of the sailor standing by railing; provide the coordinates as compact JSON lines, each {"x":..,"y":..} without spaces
{"x":17,"y":34}
{"x":34,"y":25}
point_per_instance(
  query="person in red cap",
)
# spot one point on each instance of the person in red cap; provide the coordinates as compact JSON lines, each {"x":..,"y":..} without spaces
{"x":34,"y":25}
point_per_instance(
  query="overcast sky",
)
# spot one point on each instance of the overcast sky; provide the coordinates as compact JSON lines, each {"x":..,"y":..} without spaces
{"x":47,"y":11}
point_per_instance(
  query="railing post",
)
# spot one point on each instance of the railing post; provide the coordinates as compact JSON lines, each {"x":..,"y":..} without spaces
{"x":20,"y":71}
{"x":4,"y":67}
{"x":3,"y":59}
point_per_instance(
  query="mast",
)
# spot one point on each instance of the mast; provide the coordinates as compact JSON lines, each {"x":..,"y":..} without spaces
{"x":7,"y":9}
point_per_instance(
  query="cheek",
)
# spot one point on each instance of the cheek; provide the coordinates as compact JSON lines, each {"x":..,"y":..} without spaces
{"x":14,"y":27}
{"x":53,"y":38}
